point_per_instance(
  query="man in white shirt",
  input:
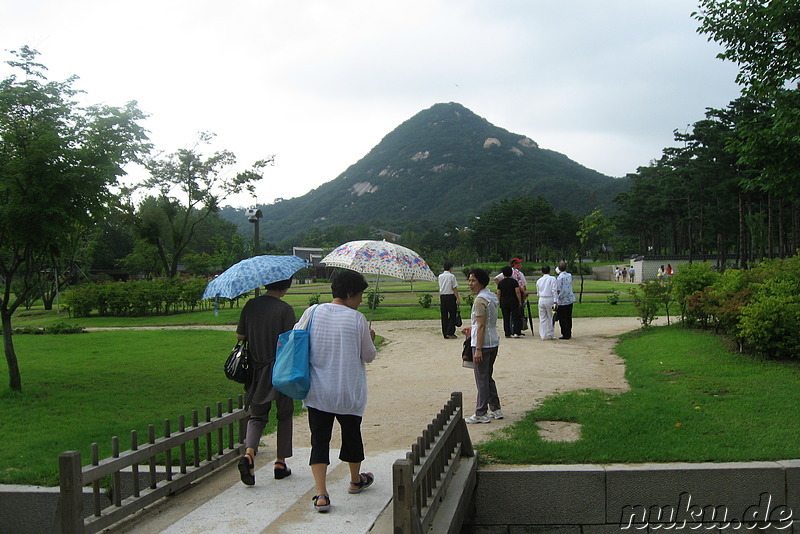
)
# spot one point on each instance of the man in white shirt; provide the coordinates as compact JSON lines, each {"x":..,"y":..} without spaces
{"x":449,"y":301}
{"x":565,"y":298}
{"x":546,"y":288}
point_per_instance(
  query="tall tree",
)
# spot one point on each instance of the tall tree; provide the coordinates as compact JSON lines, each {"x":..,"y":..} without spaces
{"x":185,"y":189}
{"x":593,"y":226}
{"x":763,"y":38}
{"x":57,"y":161}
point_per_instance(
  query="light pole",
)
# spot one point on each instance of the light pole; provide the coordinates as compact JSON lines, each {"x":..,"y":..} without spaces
{"x":253,"y":215}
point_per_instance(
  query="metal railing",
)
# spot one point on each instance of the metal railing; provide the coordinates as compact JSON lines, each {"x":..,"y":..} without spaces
{"x":421,"y":480}
{"x":180,"y":468}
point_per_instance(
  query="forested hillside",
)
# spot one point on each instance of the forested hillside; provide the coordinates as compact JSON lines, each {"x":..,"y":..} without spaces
{"x":444,"y":164}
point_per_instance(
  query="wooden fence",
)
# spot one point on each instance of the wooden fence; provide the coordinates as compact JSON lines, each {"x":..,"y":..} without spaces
{"x":171,"y":450}
{"x":433,"y":485}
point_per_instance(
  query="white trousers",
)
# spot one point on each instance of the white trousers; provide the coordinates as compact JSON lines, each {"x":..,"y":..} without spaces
{"x":546,"y":330}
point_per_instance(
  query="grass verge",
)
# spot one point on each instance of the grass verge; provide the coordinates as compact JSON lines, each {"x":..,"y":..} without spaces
{"x":85,"y":388}
{"x":691,"y":400}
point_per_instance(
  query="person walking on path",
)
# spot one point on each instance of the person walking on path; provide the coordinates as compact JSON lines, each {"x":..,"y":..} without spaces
{"x":565,"y":298}
{"x":510,"y":296}
{"x":485,"y":342}
{"x":449,"y":300}
{"x":262,"y":320}
{"x":342,"y":343}
{"x":519,"y":276}
{"x":546,"y":288}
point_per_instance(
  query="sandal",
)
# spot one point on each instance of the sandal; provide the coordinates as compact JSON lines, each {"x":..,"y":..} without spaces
{"x":246,"y":470}
{"x":281,"y":472}
{"x":366,"y":480}
{"x":322,"y":508}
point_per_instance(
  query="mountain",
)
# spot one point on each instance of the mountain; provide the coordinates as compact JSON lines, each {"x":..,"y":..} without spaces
{"x":444,"y":164}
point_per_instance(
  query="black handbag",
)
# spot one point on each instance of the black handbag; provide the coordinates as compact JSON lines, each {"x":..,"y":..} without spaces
{"x":458,"y":321}
{"x":237,"y":366}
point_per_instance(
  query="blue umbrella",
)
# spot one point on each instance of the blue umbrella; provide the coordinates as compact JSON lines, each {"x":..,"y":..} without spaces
{"x":252,"y":273}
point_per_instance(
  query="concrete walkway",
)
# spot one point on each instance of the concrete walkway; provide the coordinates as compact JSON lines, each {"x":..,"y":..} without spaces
{"x":223,"y":505}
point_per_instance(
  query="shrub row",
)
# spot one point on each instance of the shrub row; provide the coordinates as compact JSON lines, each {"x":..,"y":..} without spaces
{"x":137,"y":298}
{"x":759,"y":307}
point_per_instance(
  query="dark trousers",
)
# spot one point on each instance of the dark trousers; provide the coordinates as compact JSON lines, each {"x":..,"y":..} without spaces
{"x":565,"y":320}
{"x":259,"y":415}
{"x":449,"y":311}
{"x":512,"y":318}
{"x":488,"y":399}
{"x":321,"y":425}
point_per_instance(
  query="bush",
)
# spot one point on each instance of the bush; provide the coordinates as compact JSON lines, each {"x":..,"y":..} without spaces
{"x":374,"y":299}
{"x":770,"y":321}
{"x":691,"y":278}
{"x":58,"y":328}
{"x":136,"y":298}
{"x":613,"y":298}
{"x":647,"y":298}
{"x":314,"y":299}
{"x":770,"y":326}
{"x":425,"y":300}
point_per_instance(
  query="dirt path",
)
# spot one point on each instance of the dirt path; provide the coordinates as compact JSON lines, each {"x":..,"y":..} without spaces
{"x":417,"y":370}
{"x":415,"y":373}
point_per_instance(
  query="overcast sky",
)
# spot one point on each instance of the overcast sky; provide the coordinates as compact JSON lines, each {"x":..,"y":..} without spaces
{"x":318,"y":83}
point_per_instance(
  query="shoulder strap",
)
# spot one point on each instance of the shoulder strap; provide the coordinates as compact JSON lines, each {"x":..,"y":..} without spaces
{"x":305,"y":326}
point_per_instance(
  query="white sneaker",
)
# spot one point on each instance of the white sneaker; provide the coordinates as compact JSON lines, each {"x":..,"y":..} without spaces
{"x":517,"y":336}
{"x":497,"y":414}
{"x":478,"y":419}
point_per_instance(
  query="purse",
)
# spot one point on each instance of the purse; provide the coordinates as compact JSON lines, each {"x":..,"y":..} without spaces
{"x":458,"y":321}
{"x":466,"y":354}
{"x":291,"y":374}
{"x":237,"y":366}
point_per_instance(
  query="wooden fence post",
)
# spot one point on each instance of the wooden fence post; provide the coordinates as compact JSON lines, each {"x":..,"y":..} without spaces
{"x":71,"y":497}
{"x":403,"y":512}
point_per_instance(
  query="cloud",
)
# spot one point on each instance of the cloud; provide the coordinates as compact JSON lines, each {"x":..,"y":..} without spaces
{"x":319,"y":83}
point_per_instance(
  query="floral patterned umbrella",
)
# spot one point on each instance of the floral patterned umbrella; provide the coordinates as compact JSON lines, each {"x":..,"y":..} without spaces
{"x":381,"y":258}
{"x":252,"y":273}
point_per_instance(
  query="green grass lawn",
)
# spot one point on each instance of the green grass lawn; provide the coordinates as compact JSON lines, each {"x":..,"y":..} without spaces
{"x":692,"y":399}
{"x":84,"y":388}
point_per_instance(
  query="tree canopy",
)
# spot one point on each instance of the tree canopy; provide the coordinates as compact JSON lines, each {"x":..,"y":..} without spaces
{"x":57,"y":161}
{"x":184,"y":189}
{"x":763,"y":38}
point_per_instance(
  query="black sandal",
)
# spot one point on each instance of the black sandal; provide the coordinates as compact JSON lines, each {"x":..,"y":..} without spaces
{"x":281,"y":472}
{"x":246,"y":470}
{"x":365,"y":481}
{"x":322,"y":508}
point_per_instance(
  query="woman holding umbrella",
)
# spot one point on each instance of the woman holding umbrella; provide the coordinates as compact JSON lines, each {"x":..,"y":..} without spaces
{"x":262,"y":320}
{"x":342,"y":343}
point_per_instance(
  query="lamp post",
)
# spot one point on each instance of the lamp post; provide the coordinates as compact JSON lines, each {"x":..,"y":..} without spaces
{"x":253,"y":215}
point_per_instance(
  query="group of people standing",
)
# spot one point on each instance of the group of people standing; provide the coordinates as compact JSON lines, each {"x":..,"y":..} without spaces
{"x":555,"y":295}
{"x":625,"y":275}
{"x":342,"y":343}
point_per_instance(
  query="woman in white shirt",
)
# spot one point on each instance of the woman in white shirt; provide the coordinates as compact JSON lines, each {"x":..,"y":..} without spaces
{"x":341,"y":344}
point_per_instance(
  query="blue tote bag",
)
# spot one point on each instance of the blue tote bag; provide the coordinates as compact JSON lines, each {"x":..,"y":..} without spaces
{"x":291,"y":374}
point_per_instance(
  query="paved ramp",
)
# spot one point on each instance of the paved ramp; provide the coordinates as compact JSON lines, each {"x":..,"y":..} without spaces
{"x":285,"y":506}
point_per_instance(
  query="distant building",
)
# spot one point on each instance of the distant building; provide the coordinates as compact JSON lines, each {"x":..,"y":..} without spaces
{"x":387,"y":235}
{"x":647,"y":266}
{"x":312,"y":256}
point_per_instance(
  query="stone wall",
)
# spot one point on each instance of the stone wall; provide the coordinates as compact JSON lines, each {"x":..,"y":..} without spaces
{"x":594,"y":499}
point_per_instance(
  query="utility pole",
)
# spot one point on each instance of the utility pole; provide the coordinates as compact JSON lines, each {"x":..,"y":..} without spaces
{"x":254,"y":215}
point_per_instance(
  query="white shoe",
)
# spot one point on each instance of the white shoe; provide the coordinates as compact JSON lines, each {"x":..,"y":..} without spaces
{"x":478,"y":419}
{"x":497,"y":414}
